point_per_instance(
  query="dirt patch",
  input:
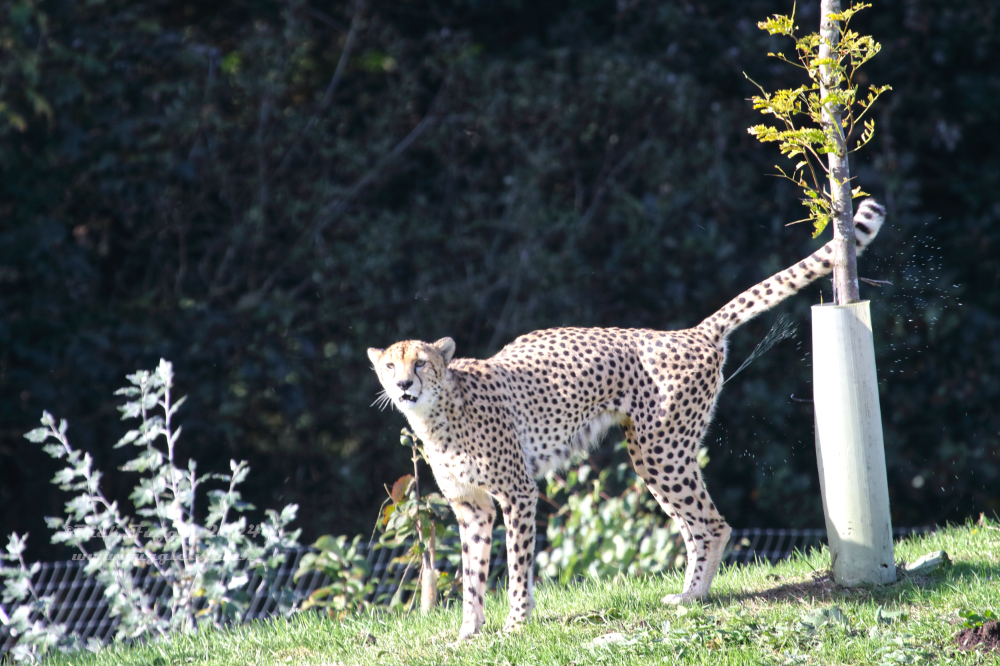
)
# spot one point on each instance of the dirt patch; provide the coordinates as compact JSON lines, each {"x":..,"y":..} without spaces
{"x":986,"y":637}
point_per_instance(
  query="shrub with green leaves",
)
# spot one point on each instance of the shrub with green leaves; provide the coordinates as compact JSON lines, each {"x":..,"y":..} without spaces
{"x":206,"y":567}
{"x":33,"y":619}
{"x":973,"y":620}
{"x":407,"y":519}
{"x":347,"y":570}
{"x":599,"y":535}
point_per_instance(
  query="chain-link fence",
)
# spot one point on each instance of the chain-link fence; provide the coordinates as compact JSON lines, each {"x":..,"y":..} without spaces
{"x":82,"y":608}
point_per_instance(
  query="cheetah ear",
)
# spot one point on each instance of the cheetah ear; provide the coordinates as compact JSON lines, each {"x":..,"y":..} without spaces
{"x":375,"y":354}
{"x":447,"y":348}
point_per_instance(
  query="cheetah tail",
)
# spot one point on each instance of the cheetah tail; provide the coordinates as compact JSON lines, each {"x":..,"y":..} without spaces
{"x":761,"y":297}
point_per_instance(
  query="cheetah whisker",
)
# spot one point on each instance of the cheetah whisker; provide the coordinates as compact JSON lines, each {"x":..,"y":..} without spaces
{"x":382,"y":400}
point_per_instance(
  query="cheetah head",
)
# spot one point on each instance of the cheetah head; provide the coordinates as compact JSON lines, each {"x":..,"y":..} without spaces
{"x":412,"y":372}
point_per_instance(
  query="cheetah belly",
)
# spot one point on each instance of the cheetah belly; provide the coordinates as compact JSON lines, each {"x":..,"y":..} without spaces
{"x":548,"y":451}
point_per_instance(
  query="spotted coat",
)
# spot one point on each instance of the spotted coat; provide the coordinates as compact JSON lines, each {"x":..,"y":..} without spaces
{"x":491,"y":427}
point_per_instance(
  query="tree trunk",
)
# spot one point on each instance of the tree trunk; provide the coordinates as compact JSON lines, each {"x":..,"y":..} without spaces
{"x":428,"y":584}
{"x":845,"y":265}
{"x":428,"y":570}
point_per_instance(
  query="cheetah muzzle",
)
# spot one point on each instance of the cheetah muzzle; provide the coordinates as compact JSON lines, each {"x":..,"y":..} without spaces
{"x":491,"y":427}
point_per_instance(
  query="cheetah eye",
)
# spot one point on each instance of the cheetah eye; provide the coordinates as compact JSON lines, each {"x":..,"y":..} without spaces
{"x":390,"y":366}
{"x":421,"y":363}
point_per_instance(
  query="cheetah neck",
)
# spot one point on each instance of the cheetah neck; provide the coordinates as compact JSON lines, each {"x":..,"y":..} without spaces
{"x":433,"y":424}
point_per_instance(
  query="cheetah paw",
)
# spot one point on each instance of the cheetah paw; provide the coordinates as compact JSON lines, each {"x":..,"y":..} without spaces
{"x":677,"y":599}
{"x":467,"y":632}
{"x":512,"y":625}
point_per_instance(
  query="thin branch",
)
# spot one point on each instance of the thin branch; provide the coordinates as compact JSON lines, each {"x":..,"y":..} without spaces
{"x":498,"y":331}
{"x":604,"y":182}
{"x":784,"y":58}
{"x":324,"y":18}
{"x":329,"y":212}
{"x":338,"y":74}
{"x":335,"y":208}
{"x":866,"y":104}
{"x":877,"y":283}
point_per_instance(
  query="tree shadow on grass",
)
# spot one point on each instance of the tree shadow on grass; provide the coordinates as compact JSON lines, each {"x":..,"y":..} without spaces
{"x":820,"y":586}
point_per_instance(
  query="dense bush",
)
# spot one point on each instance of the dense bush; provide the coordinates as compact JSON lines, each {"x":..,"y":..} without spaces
{"x":193,"y":181}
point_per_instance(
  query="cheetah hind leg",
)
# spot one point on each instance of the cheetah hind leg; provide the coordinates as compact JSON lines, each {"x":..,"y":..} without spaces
{"x":704,"y":530}
{"x":705,"y":538}
{"x":698,"y":580}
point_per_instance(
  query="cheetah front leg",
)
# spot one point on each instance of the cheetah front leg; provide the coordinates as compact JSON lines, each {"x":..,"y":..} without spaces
{"x":475,"y":514}
{"x":519,"y":520}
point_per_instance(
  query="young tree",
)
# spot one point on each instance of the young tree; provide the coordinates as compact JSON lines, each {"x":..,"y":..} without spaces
{"x":849,"y":445}
{"x":830,"y":58}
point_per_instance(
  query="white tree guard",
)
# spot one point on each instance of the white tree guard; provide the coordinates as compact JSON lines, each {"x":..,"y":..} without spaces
{"x":849,"y":446}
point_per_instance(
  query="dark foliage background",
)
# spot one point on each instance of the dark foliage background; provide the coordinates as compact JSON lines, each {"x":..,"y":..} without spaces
{"x":182,"y":180}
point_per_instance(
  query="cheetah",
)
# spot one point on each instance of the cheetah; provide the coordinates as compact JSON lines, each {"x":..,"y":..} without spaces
{"x":492,"y":427}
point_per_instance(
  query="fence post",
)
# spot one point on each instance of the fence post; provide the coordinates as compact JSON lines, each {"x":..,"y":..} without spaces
{"x":849,"y":446}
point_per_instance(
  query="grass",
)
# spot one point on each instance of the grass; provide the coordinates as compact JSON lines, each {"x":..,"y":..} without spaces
{"x":782,"y":614}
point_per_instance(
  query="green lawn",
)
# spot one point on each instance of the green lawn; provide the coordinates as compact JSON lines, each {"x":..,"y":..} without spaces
{"x":755,"y":615}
